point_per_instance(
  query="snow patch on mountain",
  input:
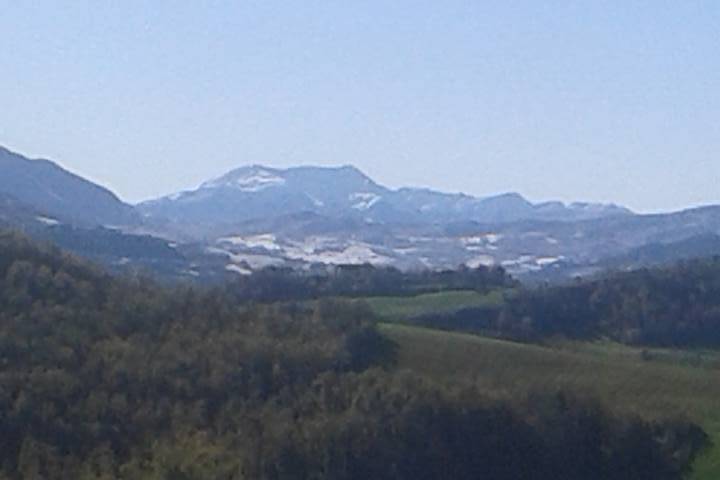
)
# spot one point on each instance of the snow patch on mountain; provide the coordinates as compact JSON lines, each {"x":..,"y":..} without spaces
{"x":545,"y":261}
{"x":47,"y":221}
{"x":364,"y":201}
{"x":261,"y":251}
{"x":250,"y":180}
{"x":353,"y":254}
{"x":238,"y":269}
{"x":259,"y":182}
{"x":267,"y":241}
{"x":479,"y":242}
{"x":481,"y":261}
{"x":246,"y":261}
{"x":256,"y":262}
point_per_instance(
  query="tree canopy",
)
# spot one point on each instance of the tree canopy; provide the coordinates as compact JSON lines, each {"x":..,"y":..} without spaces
{"x":104,"y":377}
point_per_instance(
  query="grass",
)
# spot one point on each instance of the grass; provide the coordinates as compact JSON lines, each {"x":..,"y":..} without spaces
{"x":651,"y":383}
{"x":397,"y":308}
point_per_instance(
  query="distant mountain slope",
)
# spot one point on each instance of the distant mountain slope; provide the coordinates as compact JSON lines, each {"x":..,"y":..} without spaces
{"x":16,"y":214}
{"x":698,"y":246}
{"x":256,"y":217}
{"x":48,"y":188}
{"x":114,"y":248}
{"x":257,"y":192}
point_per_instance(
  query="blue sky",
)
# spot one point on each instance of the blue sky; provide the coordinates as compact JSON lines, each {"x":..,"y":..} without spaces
{"x":573,"y":100}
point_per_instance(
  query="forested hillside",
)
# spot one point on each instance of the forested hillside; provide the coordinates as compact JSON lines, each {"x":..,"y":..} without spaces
{"x":672,"y":306}
{"x":272,"y":284}
{"x":105,"y":378}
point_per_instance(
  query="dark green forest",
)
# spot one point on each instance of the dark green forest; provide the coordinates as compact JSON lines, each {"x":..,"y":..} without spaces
{"x":105,"y":377}
{"x":283,"y":284}
{"x":675,"y":306}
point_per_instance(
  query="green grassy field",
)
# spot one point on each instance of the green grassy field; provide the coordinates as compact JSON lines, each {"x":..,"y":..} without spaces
{"x":650,"y":383}
{"x":398,"y":308}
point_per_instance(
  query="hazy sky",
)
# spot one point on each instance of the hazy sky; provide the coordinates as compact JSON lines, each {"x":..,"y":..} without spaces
{"x":572,"y":100}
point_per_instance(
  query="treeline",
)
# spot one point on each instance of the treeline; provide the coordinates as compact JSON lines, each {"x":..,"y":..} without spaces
{"x":111,"y":378}
{"x":283,"y":284}
{"x":671,"y":306}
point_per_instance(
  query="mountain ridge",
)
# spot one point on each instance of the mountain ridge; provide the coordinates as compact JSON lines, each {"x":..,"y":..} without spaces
{"x":49,"y":188}
{"x":256,"y":191}
{"x":255,"y":217}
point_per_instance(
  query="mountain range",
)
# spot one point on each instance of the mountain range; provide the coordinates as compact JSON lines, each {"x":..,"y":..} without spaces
{"x":256,"y":192}
{"x":313,"y":217}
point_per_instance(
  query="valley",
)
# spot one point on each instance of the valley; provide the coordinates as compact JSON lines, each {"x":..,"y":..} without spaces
{"x":369,"y":240}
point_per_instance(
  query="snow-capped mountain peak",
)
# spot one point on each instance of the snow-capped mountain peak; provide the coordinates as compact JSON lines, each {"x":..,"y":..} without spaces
{"x":247,"y":179}
{"x":255,"y":192}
